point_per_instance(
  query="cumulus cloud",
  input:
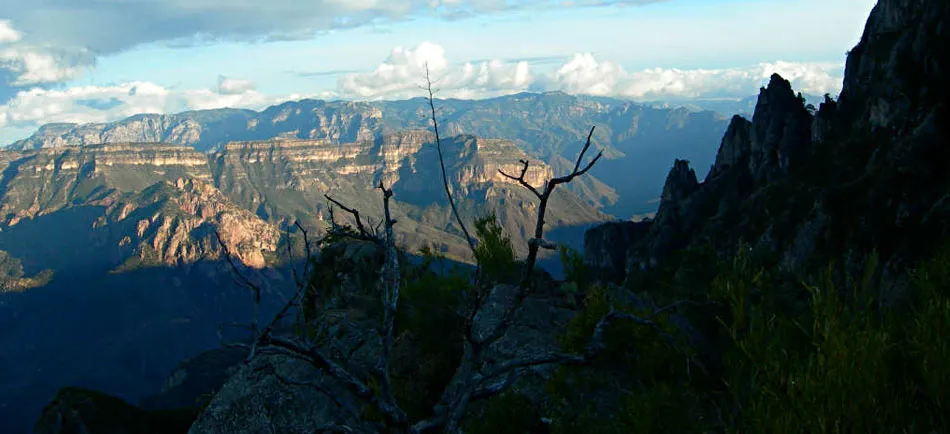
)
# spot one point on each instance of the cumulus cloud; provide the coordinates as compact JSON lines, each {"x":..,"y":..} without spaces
{"x":585,"y":75}
{"x":84,"y":104}
{"x":401,"y":74}
{"x":8,"y":33}
{"x":233,"y":86}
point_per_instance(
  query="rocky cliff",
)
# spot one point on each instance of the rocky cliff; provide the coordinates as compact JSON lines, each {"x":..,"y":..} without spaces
{"x":149,"y":204}
{"x":864,"y":172}
{"x":158,"y":203}
{"x":285,"y":179}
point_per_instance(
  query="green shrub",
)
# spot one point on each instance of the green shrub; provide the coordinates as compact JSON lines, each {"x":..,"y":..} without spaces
{"x":574,"y":268}
{"x":494,"y":252}
{"x":650,"y":372}
{"x":833,"y":363}
{"x":427,"y":313}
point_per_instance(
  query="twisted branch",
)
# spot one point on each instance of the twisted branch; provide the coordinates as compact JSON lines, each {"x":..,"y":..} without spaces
{"x":543,"y":196}
{"x":445,"y":179}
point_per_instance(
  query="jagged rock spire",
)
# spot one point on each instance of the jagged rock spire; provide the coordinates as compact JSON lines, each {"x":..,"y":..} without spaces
{"x":781,"y":130}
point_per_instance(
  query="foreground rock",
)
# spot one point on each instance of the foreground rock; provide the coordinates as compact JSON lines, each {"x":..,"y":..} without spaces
{"x":278,"y":392}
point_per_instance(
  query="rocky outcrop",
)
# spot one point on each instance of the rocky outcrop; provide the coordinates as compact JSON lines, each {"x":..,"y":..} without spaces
{"x":863,"y":173}
{"x":606,"y":247}
{"x":899,"y":67}
{"x":824,"y":120}
{"x":274,"y":391}
{"x":736,"y":146}
{"x":186,"y":233}
{"x":781,"y":131}
{"x":680,"y":183}
{"x":278,"y":393}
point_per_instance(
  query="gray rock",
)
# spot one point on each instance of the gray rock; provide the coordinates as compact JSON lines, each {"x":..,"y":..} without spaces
{"x":606,"y":247}
{"x":781,"y":131}
{"x":263,"y":398}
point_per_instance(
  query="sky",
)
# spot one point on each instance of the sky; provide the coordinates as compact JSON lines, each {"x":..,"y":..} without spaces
{"x":101,"y":60}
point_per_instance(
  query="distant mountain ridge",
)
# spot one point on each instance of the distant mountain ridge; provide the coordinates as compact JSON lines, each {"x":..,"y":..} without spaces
{"x":637,"y":140}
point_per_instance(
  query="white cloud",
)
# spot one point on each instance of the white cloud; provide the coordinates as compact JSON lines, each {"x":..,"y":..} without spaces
{"x":583,"y":74}
{"x":233,"y":86}
{"x":8,"y":33}
{"x":33,"y":65}
{"x":85,"y":104}
{"x":402,"y":73}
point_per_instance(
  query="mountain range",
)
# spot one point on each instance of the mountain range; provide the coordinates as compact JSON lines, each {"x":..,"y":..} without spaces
{"x":799,"y":285}
{"x":114,"y":272}
{"x":88,"y":211}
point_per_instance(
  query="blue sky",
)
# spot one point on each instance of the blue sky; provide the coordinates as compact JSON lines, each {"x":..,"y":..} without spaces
{"x":100,"y":60}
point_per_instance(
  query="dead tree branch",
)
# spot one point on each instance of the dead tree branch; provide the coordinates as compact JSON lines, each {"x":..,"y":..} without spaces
{"x":486,"y":339}
{"x":543,"y":196}
{"x":354,"y":212}
{"x":445,"y":178}
{"x":299,"y":282}
{"x":245,"y":281}
{"x":477,"y":381}
{"x":390,"y":282}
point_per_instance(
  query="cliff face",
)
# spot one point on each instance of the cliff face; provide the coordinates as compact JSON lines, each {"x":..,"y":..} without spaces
{"x":157,"y":203}
{"x":864,"y":173}
{"x":152,"y":203}
{"x":899,"y":66}
{"x":41,"y":182}
{"x":284,"y":180}
{"x":182,"y":231}
{"x":781,"y":131}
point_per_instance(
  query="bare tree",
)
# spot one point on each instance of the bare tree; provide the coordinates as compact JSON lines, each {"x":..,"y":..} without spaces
{"x":543,"y":196}
{"x":445,"y":178}
{"x":300,"y":281}
{"x":476,"y":377}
